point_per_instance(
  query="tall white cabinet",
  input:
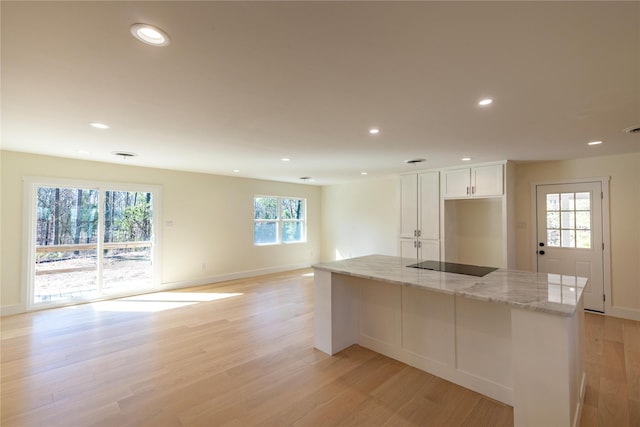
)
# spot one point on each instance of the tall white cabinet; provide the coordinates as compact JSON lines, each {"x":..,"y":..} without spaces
{"x":420,"y":216}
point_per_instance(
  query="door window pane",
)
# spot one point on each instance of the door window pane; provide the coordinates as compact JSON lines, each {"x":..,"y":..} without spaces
{"x":583,"y":201}
{"x":583,"y":239}
{"x":553,"y":220}
{"x":568,"y":220}
{"x":553,"y":238}
{"x":568,"y":239}
{"x":583,"y":220}
{"x":566,"y":201}
{"x":553,"y":202}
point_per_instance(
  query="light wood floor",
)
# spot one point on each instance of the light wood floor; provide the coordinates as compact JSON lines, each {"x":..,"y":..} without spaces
{"x":248,"y":359}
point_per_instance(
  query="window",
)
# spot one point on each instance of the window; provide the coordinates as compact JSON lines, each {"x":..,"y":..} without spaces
{"x":278,"y":220}
{"x":569,"y":220}
{"x":88,"y":240}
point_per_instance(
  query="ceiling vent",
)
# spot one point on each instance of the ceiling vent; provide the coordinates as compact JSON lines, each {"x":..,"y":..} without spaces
{"x":415,"y":161}
{"x":124,"y":154}
{"x":632,"y":129}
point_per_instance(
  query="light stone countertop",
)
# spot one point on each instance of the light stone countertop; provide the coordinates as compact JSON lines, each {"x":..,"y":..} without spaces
{"x":550,"y":293}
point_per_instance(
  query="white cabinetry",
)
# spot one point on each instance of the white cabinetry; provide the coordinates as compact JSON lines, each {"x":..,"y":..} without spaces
{"x":420,"y":216}
{"x":478,"y":181}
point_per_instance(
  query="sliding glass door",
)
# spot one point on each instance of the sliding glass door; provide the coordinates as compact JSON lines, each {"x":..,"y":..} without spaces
{"x":88,"y":242}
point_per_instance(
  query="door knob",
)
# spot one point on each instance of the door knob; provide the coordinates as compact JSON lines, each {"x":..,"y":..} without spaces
{"x":541,"y":243}
{"x":541,"y":252}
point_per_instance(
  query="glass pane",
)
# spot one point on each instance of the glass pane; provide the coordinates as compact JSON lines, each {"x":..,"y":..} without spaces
{"x":553,"y":238}
{"x":568,"y":239}
{"x":66,"y":237}
{"x":292,"y":208}
{"x":566,"y":201}
{"x":553,"y":219}
{"x":265,"y":208}
{"x":292,"y":232}
{"x":553,"y":202}
{"x":583,"y":220}
{"x":65,"y":275}
{"x":583,"y":201}
{"x":265,"y":232}
{"x":568,"y":220}
{"x":583,"y":239}
{"x":127,"y":241}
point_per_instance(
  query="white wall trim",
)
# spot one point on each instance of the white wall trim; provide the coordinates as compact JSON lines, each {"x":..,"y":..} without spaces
{"x":230,"y":276}
{"x":606,"y":229}
{"x":9,"y":310}
{"x":625,"y":313}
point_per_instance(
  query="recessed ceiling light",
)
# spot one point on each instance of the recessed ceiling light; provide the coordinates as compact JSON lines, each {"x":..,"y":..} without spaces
{"x":374,"y":131}
{"x":285,"y":159}
{"x":486,"y":101}
{"x":595,"y":143}
{"x":632,"y":129}
{"x":83,"y":152}
{"x":99,"y":125}
{"x":149,"y":34}
{"x":236,"y":170}
{"x":364,"y":173}
{"x":306,"y":178}
{"x":465,"y":159}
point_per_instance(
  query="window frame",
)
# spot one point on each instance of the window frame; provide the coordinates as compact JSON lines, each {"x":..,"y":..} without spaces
{"x":30,"y":186}
{"x":280,"y":221}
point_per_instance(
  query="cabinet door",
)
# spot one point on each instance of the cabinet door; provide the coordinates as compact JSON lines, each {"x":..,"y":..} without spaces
{"x":457,"y":183}
{"x":487,"y":181}
{"x":409,"y":250}
{"x":429,"y":205}
{"x":408,"y":206}
{"x":429,"y":250}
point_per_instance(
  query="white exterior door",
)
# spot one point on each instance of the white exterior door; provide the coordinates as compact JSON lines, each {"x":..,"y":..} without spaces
{"x":570,"y":238}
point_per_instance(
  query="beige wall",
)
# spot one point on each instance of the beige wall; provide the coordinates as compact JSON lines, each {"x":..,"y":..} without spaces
{"x":624,"y":212}
{"x":473,"y":232}
{"x":212,"y":220}
{"x":361,"y":218}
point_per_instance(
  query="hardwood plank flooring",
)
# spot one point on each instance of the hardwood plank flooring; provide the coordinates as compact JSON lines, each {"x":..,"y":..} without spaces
{"x":240,"y":353}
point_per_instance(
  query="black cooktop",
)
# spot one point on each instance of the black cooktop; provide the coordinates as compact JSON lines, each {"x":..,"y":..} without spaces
{"x":451,"y":267}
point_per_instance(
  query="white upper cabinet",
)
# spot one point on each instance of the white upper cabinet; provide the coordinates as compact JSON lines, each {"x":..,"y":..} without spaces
{"x":478,"y":181}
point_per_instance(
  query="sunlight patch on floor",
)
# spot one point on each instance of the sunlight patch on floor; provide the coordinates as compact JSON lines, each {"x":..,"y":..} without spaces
{"x":160,"y":301}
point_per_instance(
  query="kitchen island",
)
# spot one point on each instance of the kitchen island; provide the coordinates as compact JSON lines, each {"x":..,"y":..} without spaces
{"x":515,"y":336}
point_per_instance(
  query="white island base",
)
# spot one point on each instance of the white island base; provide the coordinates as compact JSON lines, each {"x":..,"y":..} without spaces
{"x":529,"y":359}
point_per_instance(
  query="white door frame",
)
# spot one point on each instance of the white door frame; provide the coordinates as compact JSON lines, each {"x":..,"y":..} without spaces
{"x":606,"y":237}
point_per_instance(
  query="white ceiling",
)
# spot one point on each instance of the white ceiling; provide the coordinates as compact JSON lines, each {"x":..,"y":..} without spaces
{"x":244,"y":84}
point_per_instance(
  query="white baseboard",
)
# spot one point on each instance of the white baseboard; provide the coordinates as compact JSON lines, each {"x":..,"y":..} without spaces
{"x":9,"y":310}
{"x":230,"y":276}
{"x":625,"y":313}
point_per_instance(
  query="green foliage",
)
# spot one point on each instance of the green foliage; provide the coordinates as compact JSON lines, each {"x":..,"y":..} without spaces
{"x":135,"y":224}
